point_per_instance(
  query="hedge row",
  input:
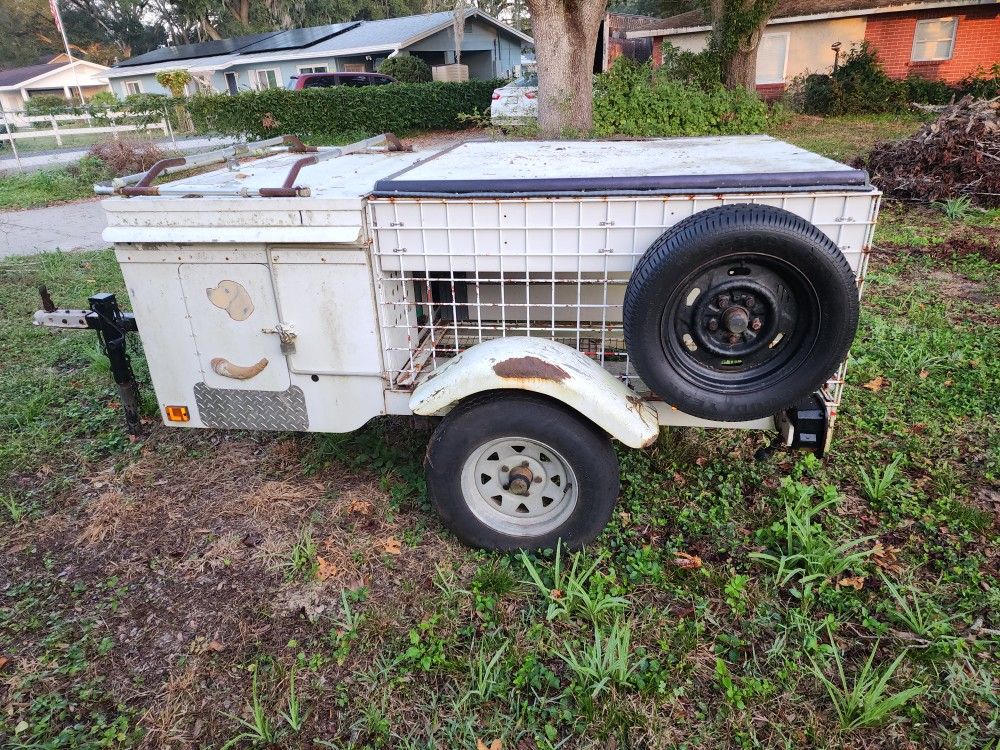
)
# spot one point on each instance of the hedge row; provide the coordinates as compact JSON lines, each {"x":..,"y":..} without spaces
{"x":397,"y":107}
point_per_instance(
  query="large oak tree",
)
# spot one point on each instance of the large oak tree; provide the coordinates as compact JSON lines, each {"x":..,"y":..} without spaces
{"x":565,"y":33}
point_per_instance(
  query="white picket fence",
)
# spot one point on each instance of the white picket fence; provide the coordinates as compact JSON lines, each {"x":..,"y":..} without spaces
{"x":84,"y":123}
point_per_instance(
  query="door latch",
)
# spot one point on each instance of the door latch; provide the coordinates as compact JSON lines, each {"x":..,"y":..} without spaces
{"x":286,"y":336}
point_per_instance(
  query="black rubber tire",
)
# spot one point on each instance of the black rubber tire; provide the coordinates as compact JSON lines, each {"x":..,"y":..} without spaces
{"x":740,"y":234}
{"x":498,"y":414}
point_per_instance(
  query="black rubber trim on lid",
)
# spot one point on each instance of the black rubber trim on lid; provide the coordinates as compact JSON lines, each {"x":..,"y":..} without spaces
{"x":841,"y":178}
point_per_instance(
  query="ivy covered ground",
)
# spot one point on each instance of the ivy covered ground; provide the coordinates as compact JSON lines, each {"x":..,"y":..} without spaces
{"x":212,"y":590}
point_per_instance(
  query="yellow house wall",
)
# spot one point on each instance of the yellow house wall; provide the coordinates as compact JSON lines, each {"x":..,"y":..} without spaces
{"x":808,"y":44}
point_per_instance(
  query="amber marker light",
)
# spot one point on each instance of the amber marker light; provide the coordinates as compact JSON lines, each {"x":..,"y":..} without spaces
{"x":177,"y":413}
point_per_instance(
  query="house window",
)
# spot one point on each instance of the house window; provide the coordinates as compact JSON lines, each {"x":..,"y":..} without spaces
{"x":232,"y":82}
{"x":772,"y":57}
{"x":312,"y":69}
{"x":133,"y":87}
{"x":353,"y":67}
{"x":265,"y":79}
{"x":934,"y":40}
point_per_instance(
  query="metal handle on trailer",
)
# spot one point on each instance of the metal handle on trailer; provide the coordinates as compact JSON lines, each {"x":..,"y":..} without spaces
{"x":141,"y":183}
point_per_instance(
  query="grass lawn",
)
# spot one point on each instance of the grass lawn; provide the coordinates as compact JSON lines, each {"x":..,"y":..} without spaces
{"x":204,"y":589}
{"x":42,"y":188}
{"x":844,"y":137}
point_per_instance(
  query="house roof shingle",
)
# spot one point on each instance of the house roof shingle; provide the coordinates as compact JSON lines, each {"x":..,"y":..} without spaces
{"x":15,"y":76}
{"x":385,"y":33}
{"x":194,"y":51}
{"x":784,"y":9}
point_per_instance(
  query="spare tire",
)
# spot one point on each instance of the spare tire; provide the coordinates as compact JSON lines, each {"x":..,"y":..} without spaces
{"x":738,"y":311}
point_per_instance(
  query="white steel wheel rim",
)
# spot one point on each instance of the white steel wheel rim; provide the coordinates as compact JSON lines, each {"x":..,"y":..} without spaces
{"x":552,"y":491}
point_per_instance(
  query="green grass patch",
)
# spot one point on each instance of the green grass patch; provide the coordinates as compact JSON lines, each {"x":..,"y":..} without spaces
{"x":211,"y":589}
{"x":847,"y":136}
{"x":42,"y":188}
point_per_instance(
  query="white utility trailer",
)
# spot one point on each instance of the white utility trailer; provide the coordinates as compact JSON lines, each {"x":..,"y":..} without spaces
{"x":542,"y":297}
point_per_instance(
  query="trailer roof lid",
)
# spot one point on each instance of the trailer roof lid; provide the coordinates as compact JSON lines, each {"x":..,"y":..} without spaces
{"x":669,"y":164}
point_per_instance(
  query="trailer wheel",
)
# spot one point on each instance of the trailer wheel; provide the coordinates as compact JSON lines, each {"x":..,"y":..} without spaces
{"x":739,"y":311}
{"x":510,"y":470}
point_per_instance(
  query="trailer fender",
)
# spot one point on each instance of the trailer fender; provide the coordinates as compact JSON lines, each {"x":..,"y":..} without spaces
{"x":546,"y":367}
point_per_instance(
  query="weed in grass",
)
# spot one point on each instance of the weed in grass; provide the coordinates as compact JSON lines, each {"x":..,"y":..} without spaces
{"x":258,"y":730}
{"x":739,"y":693}
{"x":294,"y":715}
{"x":921,"y":617}
{"x":865,"y":701}
{"x":877,"y":485}
{"x":574,"y":591}
{"x":487,"y":674}
{"x":806,"y":553}
{"x":605,"y":662}
{"x":735,"y":592}
{"x":956,"y":209}
{"x":13,"y":507}
{"x":303,"y":564}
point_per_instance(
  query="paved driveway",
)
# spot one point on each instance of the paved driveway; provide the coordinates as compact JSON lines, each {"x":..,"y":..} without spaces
{"x":68,"y":226}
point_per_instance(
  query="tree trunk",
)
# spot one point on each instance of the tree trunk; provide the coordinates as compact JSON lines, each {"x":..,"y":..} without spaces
{"x":565,"y":33}
{"x":741,"y":72}
{"x":209,"y":30}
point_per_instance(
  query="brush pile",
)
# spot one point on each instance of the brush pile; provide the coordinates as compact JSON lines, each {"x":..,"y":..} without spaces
{"x":957,"y":154}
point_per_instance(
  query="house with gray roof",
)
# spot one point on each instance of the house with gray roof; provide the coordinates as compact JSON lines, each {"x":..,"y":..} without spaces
{"x":490,"y":48}
{"x":59,"y":76}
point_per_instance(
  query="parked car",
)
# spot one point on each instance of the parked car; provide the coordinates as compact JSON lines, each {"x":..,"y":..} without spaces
{"x":518,"y":100}
{"x":326,"y":80}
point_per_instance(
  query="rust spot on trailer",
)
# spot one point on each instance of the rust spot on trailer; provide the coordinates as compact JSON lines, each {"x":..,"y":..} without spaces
{"x":529,"y":368}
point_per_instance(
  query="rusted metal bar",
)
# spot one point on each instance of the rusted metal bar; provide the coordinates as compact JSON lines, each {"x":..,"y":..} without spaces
{"x":296,"y":146}
{"x":287,"y":189}
{"x":143,"y":186}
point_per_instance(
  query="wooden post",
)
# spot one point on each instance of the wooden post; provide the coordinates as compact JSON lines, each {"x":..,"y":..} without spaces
{"x":55,"y":129}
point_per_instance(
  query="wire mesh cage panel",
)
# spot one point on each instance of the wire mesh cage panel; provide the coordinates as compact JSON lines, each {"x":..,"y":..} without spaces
{"x":452,"y":272}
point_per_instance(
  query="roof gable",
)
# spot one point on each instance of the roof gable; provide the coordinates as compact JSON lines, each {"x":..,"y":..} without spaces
{"x":20,"y":76}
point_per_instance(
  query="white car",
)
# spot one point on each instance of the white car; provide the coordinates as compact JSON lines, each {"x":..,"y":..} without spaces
{"x":518,"y":100}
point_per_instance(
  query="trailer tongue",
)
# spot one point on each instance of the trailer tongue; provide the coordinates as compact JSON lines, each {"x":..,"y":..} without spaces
{"x":541,"y":297}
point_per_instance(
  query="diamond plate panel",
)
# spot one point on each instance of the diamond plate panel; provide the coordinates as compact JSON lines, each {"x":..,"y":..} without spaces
{"x":252,"y":410}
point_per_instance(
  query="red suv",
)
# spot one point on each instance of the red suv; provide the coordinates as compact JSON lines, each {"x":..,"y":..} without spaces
{"x":325,"y":80}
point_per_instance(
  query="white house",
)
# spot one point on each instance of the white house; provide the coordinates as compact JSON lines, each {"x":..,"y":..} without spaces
{"x":58,"y":77}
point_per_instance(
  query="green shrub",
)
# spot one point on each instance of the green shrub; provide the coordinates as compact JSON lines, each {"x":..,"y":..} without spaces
{"x":406,"y":69}
{"x":861,"y":86}
{"x":982,"y":84}
{"x":47,"y":104}
{"x":631,"y":100}
{"x":927,"y":91}
{"x":103,"y":100}
{"x":399,"y":108}
{"x":699,"y":69}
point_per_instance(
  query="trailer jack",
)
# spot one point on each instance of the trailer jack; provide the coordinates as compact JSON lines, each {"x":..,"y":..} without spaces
{"x":112,"y":326}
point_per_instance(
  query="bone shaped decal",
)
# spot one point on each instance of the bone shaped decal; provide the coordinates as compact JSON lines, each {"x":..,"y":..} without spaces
{"x":227,"y":369}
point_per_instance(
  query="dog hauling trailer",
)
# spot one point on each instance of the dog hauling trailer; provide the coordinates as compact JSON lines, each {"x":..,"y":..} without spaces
{"x":541,"y":298}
